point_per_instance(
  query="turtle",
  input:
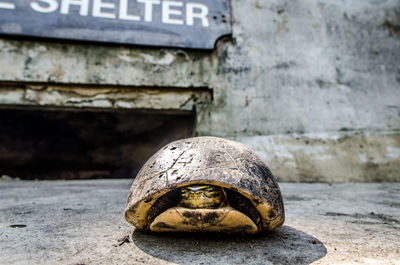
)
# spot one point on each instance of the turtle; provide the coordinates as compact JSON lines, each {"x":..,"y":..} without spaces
{"x":205,"y":184}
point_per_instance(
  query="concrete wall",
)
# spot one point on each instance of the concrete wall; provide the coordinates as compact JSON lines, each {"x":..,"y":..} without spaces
{"x":312,"y":86}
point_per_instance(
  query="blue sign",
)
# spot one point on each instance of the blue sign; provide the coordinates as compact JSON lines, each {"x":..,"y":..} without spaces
{"x":185,"y":23}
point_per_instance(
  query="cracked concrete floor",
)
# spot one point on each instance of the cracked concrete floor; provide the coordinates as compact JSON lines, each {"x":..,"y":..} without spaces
{"x":81,"y":222}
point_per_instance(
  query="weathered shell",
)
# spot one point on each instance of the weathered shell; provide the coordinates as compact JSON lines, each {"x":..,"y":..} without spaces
{"x":205,"y":160}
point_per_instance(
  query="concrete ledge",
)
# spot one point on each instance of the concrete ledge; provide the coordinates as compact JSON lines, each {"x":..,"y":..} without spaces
{"x":330,"y":157}
{"x":81,"y":222}
{"x":102,"y":96}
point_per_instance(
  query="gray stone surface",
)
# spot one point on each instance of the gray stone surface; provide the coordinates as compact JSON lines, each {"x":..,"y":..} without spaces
{"x":290,"y":69}
{"x":71,"y":222}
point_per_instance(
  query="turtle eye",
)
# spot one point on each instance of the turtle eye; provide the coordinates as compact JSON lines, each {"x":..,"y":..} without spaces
{"x":184,"y":194}
{"x":211,"y":190}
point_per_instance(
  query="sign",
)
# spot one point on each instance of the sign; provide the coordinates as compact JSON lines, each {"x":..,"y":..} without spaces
{"x":172,"y":23}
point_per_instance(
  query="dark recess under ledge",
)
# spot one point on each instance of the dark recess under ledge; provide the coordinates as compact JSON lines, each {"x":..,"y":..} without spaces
{"x":76,"y":144}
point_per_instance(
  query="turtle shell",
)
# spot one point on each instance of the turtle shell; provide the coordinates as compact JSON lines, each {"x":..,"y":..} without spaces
{"x":205,"y":160}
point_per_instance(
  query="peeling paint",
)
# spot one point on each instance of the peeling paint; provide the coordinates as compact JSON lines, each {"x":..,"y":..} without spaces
{"x":103,"y":97}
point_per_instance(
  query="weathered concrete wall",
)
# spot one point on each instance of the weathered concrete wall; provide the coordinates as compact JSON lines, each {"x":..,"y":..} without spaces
{"x":309,"y":66}
{"x":330,"y":157}
{"x":325,"y":68}
{"x":291,"y":69}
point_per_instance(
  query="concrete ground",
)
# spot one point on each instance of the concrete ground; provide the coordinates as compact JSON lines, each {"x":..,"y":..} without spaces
{"x":81,"y":222}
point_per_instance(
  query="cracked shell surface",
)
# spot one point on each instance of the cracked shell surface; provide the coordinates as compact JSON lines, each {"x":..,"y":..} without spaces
{"x":206,"y":160}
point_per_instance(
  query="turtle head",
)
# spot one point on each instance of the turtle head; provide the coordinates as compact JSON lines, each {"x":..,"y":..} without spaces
{"x":202,"y":196}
